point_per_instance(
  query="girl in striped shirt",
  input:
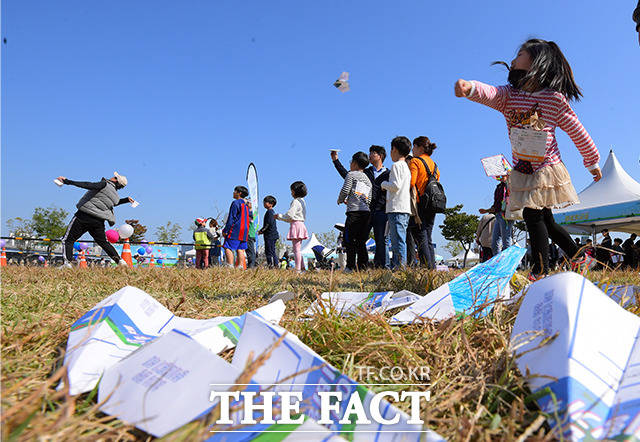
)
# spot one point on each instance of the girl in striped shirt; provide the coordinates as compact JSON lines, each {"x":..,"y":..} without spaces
{"x":535,"y":102}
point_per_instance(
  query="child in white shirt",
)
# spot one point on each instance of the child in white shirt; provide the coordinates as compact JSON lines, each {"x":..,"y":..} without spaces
{"x":398,"y":200}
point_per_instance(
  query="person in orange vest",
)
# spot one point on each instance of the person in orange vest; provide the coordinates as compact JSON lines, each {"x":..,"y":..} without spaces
{"x":94,"y":208}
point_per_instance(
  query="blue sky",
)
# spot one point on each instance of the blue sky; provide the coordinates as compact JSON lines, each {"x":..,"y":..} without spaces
{"x":181,"y":96}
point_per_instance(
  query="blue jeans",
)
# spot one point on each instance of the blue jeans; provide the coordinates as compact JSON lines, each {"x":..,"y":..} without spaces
{"x":379,"y":224}
{"x":398,"y":223}
{"x":501,"y":229}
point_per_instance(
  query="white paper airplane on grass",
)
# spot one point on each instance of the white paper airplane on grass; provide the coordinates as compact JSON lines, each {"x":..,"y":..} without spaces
{"x":342,"y":83}
{"x":478,"y":286}
{"x":130,"y":318}
{"x":588,"y":373}
{"x":359,"y":303}
{"x":168,"y":383}
{"x":295,"y":367}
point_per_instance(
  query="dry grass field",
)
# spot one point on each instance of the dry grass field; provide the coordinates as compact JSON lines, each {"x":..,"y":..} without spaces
{"x":476,"y":391}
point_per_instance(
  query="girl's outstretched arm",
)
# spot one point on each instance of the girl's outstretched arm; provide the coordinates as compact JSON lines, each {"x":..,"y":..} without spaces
{"x":568,"y":121}
{"x":492,"y":96}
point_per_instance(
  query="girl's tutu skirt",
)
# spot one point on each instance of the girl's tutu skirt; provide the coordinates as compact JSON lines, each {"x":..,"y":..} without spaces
{"x":297,"y":230}
{"x":550,"y":186}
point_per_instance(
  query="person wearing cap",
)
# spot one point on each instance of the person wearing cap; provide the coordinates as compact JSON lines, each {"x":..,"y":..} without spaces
{"x":203,"y":239}
{"x":94,"y":208}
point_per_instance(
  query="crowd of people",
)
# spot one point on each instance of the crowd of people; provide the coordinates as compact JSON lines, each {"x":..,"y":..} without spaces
{"x":401,"y":203}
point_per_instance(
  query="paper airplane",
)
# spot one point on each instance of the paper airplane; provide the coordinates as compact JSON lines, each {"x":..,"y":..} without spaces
{"x":130,"y":318}
{"x":481,"y":284}
{"x":342,"y":83}
{"x":594,"y":357}
{"x":167,"y":384}
{"x":294,"y":361}
{"x":359,"y":303}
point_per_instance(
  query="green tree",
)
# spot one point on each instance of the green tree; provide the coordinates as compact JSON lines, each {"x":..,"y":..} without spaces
{"x":519,"y":230}
{"x":49,"y":223}
{"x":139,"y":230}
{"x":328,"y":239}
{"x":460,"y":227}
{"x":170,"y":232}
{"x":21,"y":228}
{"x":453,"y":247}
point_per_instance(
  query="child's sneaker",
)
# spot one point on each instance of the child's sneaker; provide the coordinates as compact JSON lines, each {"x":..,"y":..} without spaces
{"x":534,"y":278}
{"x":122,"y":263}
{"x":579,"y":265}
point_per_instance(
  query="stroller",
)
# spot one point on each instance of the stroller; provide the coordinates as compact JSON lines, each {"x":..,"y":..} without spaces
{"x":322,"y":254}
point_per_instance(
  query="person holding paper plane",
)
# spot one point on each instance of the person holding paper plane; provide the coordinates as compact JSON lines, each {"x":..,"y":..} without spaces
{"x":534,"y":103}
{"x":94,"y":208}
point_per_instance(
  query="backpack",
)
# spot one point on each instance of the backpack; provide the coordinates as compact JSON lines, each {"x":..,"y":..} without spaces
{"x":433,"y":198}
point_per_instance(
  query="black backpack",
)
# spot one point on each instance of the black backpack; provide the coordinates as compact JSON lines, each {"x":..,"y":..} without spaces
{"x":433,"y":199}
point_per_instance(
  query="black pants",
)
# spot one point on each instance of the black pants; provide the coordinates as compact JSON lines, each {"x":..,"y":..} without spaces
{"x":541,"y":226}
{"x":379,"y":226}
{"x":356,"y":230}
{"x":422,"y":236}
{"x":270,"y":251}
{"x":412,"y":255}
{"x":80,"y":224}
{"x":487,"y":254}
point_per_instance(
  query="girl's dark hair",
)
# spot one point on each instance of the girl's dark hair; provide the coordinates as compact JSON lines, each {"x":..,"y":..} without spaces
{"x":361,"y":159}
{"x":299,"y":189}
{"x":402,"y":145}
{"x":270,"y":199}
{"x":426,"y":144}
{"x":241,"y":190}
{"x":549,"y":69}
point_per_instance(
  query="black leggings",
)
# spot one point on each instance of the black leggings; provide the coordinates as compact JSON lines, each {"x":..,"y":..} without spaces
{"x":81,"y":224}
{"x":541,"y":226}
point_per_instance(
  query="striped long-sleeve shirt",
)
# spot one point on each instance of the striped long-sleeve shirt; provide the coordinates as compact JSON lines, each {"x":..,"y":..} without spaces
{"x":546,"y":107}
{"x":356,"y":192}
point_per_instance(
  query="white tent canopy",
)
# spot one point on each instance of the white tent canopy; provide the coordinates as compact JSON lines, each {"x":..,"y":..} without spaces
{"x":459,"y":258}
{"x":306,"y":250}
{"x":612,"y":203}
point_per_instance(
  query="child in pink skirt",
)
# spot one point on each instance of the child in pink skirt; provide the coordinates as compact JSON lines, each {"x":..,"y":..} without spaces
{"x":295,"y":216}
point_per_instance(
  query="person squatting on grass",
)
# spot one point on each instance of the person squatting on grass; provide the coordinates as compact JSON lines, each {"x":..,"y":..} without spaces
{"x":203,"y":239}
{"x":94,"y":208}
{"x":376,"y":173}
{"x":356,"y":194}
{"x":296,"y":216}
{"x":534,"y":103}
{"x":398,"y":204}
{"x":236,"y":230}
{"x":269,"y":231}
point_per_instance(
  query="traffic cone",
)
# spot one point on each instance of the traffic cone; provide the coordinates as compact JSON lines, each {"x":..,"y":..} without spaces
{"x":152,"y":263}
{"x":83,"y":261}
{"x":46,"y":262}
{"x":126,"y":253}
{"x":3,"y":258}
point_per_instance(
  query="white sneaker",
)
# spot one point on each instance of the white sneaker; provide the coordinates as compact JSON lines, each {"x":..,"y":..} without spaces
{"x":123,"y":263}
{"x":66,"y":265}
